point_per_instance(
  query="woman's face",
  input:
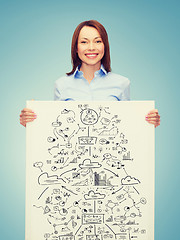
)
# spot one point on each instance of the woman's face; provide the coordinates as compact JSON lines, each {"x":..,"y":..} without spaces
{"x":90,"y":47}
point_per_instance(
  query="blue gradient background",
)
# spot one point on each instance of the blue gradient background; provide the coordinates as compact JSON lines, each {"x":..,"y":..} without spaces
{"x":35,"y":39}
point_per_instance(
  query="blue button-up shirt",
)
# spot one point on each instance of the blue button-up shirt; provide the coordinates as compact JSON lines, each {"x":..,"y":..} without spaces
{"x":103,"y":87}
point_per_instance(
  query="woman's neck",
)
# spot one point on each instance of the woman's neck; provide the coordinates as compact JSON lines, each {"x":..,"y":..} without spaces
{"x":89,"y":70}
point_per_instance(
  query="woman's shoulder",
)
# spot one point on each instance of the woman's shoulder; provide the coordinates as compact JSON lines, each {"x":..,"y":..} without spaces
{"x":63,"y":79}
{"x":118,"y":78}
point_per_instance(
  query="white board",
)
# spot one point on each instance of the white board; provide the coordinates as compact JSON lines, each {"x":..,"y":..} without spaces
{"x":90,"y":171}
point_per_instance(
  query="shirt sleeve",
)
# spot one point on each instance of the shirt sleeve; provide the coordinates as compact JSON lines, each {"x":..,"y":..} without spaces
{"x":126,"y":93}
{"x":57,"y":94}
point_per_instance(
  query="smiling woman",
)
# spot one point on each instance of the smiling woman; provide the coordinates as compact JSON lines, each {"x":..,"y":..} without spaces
{"x":86,"y":34}
{"x":90,"y":50}
{"x":91,"y":78}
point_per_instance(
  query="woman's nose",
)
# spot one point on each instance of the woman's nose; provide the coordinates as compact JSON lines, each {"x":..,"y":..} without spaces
{"x":91,"y":46}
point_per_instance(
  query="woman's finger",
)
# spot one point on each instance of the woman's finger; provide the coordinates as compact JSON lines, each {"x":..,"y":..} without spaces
{"x":153,"y":119}
{"x":27,"y":119}
{"x":156,"y":118}
{"x":23,"y":123}
{"x":27,"y":110}
{"x":29,"y":116}
{"x":153,"y":111}
{"x":152,"y":115}
{"x":154,"y":122}
{"x":23,"y":115}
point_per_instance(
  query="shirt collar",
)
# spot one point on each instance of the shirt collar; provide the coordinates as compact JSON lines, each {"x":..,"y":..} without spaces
{"x":78,"y":74}
{"x":102,"y":70}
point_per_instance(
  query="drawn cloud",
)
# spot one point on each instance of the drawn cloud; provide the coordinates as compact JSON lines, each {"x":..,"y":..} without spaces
{"x":45,"y":179}
{"x":88,"y":164}
{"x":92,"y":195}
{"x":129,"y":181}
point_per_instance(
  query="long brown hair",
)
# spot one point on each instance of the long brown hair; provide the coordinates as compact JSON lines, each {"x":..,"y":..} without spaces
{"x":102,"y":31}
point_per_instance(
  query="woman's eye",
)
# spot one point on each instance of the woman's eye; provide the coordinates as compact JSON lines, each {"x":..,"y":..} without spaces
{"x":83,"y":42}
{"x":98,"y":41}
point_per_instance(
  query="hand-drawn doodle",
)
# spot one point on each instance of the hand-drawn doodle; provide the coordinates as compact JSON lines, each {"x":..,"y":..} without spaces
{"x":103,"y":141}
{"x":91,"y":195}
{"x":45,"y":179}
{"x":111,"y":132}
{"x":128,"y":180}
{"x":105,"y":121}
{"x":87,"y":190}
{"x":89,"y":116}
{"x":57,"y":123}
{"x":88,"y":164}
{"x":127,"y":157}
{"x":38,"y":165}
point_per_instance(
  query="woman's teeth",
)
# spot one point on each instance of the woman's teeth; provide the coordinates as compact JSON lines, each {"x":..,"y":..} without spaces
{"x":91,"y":55}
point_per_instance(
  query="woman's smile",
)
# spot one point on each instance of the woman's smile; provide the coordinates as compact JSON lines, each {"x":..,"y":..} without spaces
{"x":91,"y":55}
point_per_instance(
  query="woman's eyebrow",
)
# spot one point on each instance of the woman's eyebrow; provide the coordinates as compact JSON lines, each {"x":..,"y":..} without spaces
{"x":88,"y":39}
{"x":84,"y":38}
{"x":97,"y":37}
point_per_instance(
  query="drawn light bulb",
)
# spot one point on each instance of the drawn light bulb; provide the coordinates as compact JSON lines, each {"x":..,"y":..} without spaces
{"x":38,"y":165}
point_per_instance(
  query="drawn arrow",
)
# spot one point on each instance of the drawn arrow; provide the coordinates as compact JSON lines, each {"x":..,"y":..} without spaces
{"x":68,"y":171}
{"x":117,"y":190}
{"x":125,"y":172}
{"x":49,"y":221}
{"x":69,"y":190}
{"x":112,"y":172}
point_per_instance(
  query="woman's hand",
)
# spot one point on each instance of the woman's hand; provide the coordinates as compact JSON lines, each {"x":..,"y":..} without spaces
{"x":153,"y":117}
{"x":27,"y":115}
